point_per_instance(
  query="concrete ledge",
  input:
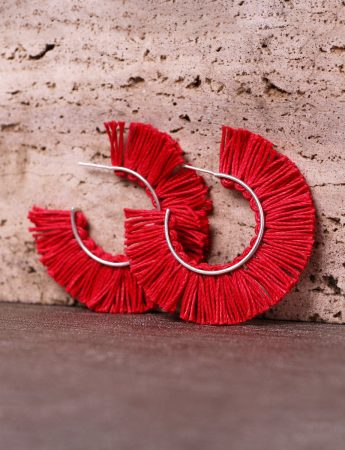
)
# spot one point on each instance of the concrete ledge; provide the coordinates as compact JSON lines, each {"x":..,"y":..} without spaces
{"x":76,"y":379}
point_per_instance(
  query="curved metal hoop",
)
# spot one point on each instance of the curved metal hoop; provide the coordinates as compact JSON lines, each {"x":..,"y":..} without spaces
{"x":74,"y":210}
{"x":253,"y":249}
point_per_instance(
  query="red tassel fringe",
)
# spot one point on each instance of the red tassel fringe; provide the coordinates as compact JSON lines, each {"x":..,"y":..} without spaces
{"x":267,"y":277}
{"x":101,"y":288}
{"x":158,"y":158}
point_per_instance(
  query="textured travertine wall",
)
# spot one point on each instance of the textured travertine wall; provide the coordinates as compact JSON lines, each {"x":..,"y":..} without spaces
{"x":274,"y":67}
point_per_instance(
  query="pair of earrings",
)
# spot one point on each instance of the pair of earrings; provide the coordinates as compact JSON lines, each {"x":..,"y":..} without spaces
{"x":164,"y":264}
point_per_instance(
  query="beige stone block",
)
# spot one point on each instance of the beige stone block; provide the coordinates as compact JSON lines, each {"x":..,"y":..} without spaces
{"x":275,"y":67}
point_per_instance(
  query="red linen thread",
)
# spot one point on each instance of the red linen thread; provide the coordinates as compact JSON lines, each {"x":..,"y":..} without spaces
{"x":267,"y":276}
{"x":157,"y":157}
{"x":110,"y":289}
{"x":99,"y":287}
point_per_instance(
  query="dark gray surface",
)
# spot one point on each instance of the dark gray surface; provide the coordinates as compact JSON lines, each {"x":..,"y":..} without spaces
{"x":71,"y":379}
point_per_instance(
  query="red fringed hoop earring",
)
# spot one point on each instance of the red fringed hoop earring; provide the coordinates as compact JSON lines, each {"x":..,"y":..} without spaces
{"x":104,"y":282}
{"x":267,"y":269}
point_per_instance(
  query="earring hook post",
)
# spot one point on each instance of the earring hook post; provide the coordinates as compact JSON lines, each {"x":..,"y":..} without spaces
{"x":131,"y":172}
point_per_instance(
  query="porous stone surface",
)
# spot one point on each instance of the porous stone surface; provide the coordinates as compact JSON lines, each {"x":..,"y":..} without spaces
{"x":274,"y":67}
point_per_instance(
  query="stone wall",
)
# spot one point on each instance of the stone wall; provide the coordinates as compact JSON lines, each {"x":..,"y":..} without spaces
{"x":275,"y":67}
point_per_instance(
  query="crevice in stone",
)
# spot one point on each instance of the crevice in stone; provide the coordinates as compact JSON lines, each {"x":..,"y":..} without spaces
{"x":132,"y":81}
{"x":327,"y":184}
{"x":47,"y":48}
{"x":195,"y":83}
{"x":337,"y":49}
{"x":316,"y":318}
{"x":243,"y":89}
{"x":272,"y":88}
{"x":8,"y":126}
{"x":332,"y":283}
{"x":334,"y":219}
{"x":100,"y":131}
{"x":311,"y":157}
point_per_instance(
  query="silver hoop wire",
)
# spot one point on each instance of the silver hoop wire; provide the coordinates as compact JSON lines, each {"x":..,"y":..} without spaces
{"x":253,"y":249}
{"x":74,"y":210}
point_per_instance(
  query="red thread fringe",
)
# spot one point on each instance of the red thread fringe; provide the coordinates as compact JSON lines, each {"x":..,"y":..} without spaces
{"x":158,"y":158}
{"x":101,"y":288}
{"x":264,"y":279}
